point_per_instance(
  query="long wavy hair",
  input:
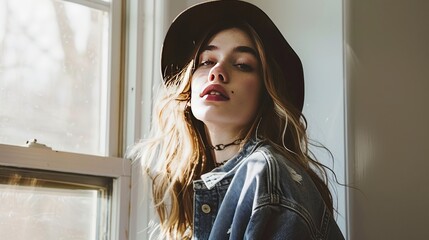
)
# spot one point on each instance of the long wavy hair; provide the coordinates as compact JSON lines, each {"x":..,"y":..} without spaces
{"x":174,"y":154}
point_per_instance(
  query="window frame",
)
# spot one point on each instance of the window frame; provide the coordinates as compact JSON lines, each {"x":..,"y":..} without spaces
{"x":115,"y":105}
{"x":45,"y":159}
{"x":111,"y":165}
{"x":111,"y":96}
{"x":116,"y":78}
{"x":145,"y":28}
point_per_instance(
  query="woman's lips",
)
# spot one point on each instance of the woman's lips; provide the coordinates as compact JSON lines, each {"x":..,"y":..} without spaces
{"x":214,"y":92}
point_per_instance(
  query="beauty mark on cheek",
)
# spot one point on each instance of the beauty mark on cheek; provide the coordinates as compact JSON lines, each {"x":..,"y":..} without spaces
{"x":232,"y":92}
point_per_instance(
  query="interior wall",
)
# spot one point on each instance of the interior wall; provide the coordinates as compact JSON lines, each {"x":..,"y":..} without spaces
{"x":315,"y":30}
{"x":387,"y":69}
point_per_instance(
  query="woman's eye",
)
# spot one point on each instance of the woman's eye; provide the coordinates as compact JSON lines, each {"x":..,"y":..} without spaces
{"x":244,"y":67}
{"x":206,"y":63}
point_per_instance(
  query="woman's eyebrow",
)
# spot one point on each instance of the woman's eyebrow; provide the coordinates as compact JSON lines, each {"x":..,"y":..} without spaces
{"x":239,"y":49}
{"x":209,"y":48}
{"x":246,"y":49}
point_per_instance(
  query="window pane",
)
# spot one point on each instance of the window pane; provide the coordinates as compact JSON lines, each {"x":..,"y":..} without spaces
{"x":51,"y":207}
{"x":54,"y":75}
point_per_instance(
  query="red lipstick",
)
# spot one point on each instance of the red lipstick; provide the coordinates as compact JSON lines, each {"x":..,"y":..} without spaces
{"x":214,"y":92}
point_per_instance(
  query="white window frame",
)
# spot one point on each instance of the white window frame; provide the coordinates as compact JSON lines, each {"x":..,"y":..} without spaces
{"x":112,"y":126}
{"x":145,"y":28}
{"x":111,"y":95}
{"x":48,"y":160}
{"x":116,"y":81}
{"x":112,"y":165}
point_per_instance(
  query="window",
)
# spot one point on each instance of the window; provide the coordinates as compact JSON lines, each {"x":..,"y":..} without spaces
{"x":58,"y":73}
{"x":99,"y":184}
{"x":60,"y":83}
{"x":52,"y":205}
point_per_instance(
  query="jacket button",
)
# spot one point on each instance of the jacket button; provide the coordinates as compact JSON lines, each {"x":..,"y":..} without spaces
{"x":206,"y":208}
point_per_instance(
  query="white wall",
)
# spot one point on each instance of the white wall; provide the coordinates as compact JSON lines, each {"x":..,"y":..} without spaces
{"x":314,"y":29}
{"x":387,"y":69}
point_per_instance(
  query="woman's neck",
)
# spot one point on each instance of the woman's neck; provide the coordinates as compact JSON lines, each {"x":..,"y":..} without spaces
{"x":224,"y":142}
{"x":221,"y":156}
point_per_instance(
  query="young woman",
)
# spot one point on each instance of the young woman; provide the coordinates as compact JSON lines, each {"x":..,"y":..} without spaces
{"x":228,"y":153}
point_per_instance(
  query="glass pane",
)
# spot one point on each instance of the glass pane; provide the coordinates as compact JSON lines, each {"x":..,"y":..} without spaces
{"x":51,"y":208}
{"x":54,"y":75}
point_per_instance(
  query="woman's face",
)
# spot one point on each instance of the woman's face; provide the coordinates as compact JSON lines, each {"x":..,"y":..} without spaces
{"x":226,"y":84}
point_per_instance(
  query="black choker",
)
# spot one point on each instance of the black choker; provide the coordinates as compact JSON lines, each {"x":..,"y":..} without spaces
{"x":220,"y":147}
{"x":221,"y":163}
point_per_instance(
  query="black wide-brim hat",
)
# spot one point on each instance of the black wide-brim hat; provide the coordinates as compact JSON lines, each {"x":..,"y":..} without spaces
{"x":190,"y":26}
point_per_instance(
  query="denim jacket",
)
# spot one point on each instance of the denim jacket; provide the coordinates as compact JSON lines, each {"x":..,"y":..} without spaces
{"x":260,"y":195}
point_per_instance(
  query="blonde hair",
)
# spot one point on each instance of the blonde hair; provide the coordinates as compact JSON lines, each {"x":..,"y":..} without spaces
{"x":174,"y":155}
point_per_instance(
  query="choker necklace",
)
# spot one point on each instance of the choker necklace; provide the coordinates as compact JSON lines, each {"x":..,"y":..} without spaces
{"x":221,"y":163}
{"x":221,"y":146}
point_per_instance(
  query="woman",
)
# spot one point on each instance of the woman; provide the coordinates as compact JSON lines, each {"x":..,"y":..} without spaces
{"x":228,"y":152}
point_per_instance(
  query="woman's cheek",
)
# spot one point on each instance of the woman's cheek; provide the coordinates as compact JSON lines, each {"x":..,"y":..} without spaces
{"x":252,"y":86}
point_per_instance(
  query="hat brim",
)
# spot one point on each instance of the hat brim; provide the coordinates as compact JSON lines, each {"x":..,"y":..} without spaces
{"x":190,"y":26}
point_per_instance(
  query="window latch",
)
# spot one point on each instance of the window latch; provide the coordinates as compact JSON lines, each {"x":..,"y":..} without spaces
{"x":33,"y":144}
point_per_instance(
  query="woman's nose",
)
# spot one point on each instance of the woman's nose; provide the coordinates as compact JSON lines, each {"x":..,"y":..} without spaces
{"x":218,"y":73}
{"x":219,"y":76}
